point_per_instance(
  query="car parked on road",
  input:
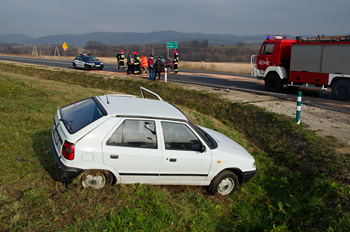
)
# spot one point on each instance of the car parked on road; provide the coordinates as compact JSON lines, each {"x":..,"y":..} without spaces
{"x":167,"y":64}
{"x":114,"y":139}
{"x":87,"y":62}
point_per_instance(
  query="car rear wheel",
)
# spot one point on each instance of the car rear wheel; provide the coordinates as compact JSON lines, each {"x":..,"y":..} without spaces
{"x":93,"y":179}
{"x":225,"y":183}
{"x":74,"y":66}
{"x":341,"y":90}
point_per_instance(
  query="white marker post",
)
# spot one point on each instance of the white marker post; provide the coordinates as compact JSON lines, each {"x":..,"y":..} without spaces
{"x":165,"y":74}
{"x":298,"y":108}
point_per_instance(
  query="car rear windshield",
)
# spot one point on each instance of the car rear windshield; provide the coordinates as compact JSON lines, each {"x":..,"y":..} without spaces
{"x":80,"y":114}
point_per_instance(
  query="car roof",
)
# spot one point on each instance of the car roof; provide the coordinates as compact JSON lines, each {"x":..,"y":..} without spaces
{"x":128,"y":105}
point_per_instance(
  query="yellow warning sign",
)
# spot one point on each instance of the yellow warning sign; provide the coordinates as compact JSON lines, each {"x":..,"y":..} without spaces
{"x":64,"y":46}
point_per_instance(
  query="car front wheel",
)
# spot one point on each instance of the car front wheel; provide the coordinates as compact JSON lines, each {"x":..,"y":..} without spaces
{"x":87,"y":68}
{"x":273,"y":83}
{"x":225,"y":183}
{"x":93,"y":179}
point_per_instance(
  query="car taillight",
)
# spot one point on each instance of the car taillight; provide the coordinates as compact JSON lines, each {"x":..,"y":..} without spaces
{"x":68,"y":150}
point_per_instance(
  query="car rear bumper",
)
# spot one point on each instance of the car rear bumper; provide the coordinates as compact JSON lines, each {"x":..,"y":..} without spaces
{"x":60,"y":165}
{"x":247,"y":176}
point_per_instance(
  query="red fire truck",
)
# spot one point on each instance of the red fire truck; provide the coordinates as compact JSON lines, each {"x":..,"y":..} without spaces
{"x":322,"y":62}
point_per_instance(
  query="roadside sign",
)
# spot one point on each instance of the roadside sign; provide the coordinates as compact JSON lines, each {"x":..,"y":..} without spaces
{"x":64,"y":46}
{"x":171,"y":45}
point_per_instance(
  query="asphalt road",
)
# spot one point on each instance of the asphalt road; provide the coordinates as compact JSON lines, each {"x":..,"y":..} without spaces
{"x":314,"y":97}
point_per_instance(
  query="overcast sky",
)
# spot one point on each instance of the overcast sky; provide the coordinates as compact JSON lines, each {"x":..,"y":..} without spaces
{"x":239,"y":17}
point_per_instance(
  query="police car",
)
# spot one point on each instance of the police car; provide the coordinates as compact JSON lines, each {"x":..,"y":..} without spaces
{"x":114,"y":139}
{"x":87,"y":62}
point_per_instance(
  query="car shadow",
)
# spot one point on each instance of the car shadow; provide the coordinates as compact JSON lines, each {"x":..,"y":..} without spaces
{"x":42,"y":149}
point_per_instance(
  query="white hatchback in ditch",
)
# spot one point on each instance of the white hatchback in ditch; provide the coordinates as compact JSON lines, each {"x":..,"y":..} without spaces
{"x":123,"y":139}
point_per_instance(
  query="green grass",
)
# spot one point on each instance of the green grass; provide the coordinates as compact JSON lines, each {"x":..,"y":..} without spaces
{"x":302,"y":182}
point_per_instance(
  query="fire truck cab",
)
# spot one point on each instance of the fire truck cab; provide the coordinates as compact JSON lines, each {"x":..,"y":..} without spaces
{"x":320,"y":62}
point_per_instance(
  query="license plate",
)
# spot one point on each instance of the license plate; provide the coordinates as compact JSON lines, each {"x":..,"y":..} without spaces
{"x":97,"y":65}
{"x":56,"y":138}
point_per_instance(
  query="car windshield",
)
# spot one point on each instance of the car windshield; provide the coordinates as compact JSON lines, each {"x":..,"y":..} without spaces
{"x":89,"y":58}
{"x":80,"y":114}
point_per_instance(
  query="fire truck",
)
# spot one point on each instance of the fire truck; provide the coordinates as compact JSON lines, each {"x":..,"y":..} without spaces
{"x":322,"y":62}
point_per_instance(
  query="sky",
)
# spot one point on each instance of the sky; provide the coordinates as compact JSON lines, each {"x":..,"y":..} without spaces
{"x":38,"y":18}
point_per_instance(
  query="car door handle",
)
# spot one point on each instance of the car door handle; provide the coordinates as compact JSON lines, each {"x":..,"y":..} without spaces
{"x":172,"y":160}
{"x":114,"y":156}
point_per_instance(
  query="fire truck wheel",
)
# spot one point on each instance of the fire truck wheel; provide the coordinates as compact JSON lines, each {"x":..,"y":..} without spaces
{"x":341,"y":90}
{"x":273,"y":83}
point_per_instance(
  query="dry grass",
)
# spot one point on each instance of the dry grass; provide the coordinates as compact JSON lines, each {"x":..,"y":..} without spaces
{"x":240,"y":68}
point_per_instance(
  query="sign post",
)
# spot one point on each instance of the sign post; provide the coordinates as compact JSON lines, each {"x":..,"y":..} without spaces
{"x":64,"y":46}
{"x":170,"y":45}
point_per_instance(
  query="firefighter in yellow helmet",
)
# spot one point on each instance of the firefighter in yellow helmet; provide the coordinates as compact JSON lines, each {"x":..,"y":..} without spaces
{"x":175,"y":61}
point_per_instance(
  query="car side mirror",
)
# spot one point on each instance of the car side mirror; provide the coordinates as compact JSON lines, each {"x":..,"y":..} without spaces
{"x":203,"y":148}
{"x":199,"y":147}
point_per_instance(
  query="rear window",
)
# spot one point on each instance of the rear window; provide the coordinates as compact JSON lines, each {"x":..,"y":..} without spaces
{"x":80,"y":114}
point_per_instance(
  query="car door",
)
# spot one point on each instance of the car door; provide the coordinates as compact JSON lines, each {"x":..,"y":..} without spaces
{"x":132,"y":150}
{"x":186,"y":158}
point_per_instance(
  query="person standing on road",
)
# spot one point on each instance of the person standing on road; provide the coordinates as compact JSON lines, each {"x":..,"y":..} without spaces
{"x":128,"y":62}
{"x":118,"y":58}
{"x":136,"y":63}
{"x":158,"y":67}
{"x":150,"y":67}
{"x":121,"y":64}
{"x":175,"y":61}
{"x":144,"y":64}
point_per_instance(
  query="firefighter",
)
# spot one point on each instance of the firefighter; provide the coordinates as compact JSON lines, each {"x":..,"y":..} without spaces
{"x":129,"y":68}
{"x":136,"y":63}
{"x":118,"y":58}
{"x":121,"y":64}
{"x":175,"y":61}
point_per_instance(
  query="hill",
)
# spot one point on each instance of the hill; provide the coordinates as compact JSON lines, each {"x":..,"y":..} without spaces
{"x":125,"y":38}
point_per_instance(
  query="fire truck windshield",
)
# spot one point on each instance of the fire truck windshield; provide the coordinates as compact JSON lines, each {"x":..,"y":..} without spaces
{"x":267,"y":49}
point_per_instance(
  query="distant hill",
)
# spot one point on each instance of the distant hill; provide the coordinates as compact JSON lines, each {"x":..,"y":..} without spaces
{"x":16,"y":39}
{"x":127,"y":38}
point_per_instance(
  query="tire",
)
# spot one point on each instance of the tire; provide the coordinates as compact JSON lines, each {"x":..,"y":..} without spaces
{"x":95,"y":179}
{"x":74,"y":66}
{"x":86,"y":67}
{"x":225,"y":183}
{"x":273,"y":83}
{"x":341,"y":90}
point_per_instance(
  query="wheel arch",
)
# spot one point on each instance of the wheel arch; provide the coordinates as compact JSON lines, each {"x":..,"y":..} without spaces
{"x":235,"y":171}
{"x":280,"y":71}
{"x":336,"y":79}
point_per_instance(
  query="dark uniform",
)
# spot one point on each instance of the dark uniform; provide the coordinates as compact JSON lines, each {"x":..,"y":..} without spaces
{"x":121,"y":64}
{"x":175,"y":61}
{"x":136,"y":63}
{"x":130,"y":67}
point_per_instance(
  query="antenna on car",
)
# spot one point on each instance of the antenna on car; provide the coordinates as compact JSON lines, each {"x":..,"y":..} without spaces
{"x":149,"y":91}
{"x":107,"y":99}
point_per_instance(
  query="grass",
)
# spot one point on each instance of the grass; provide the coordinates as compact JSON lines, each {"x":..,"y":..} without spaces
{"x":302,"y":182}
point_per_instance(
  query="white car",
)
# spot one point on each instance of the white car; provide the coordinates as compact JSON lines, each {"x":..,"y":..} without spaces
{"x":87,"y":62}
{"x":114,"y":139}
